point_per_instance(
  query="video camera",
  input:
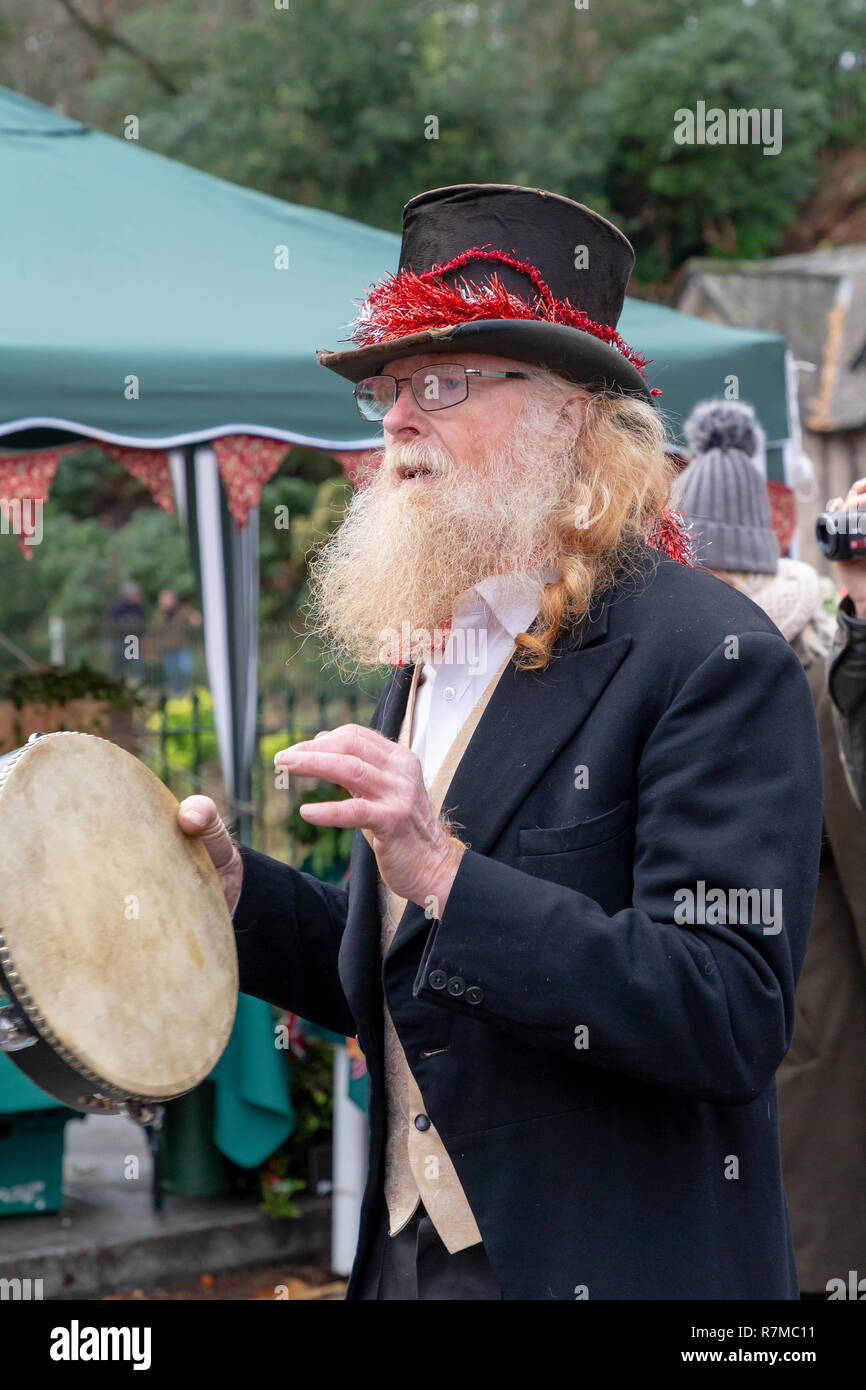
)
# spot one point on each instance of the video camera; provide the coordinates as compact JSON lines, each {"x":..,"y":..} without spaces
{"x":842,"y":535}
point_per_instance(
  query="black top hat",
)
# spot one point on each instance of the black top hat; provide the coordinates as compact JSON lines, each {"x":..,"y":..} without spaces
{"x":495,"y":268}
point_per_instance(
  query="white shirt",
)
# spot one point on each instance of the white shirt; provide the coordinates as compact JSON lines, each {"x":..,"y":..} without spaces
{"x":483,"y":628}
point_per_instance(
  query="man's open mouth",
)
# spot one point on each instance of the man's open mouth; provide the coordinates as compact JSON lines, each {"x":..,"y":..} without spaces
{"x":407,"y":471}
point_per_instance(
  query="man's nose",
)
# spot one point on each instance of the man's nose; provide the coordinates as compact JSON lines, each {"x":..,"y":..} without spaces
{"x":405,"y":414}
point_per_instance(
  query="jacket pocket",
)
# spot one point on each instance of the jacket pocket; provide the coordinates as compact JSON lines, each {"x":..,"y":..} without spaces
{"x":560,"y":839}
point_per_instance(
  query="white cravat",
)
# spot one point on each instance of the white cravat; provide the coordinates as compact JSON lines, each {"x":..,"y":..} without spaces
{"x":483,"y":628}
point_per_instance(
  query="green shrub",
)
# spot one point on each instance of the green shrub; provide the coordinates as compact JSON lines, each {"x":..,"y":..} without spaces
{"x":177,"y":725}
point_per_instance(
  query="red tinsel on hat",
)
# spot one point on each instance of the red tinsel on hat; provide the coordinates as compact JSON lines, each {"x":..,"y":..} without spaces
{"x":409,"y":303}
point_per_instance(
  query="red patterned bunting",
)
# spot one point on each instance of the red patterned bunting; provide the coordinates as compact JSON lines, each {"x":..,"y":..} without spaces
{"x":783,"y":513}
{"x":28,"y":478}
{"x":150,"y":466}
{"x":246,"y":463}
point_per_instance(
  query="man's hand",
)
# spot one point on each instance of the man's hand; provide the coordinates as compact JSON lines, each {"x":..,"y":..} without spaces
{"x":417,"y":857}
{"x":198,"y":817}
{"x":851,"y":574}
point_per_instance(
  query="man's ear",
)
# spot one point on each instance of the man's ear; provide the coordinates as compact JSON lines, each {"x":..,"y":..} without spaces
{"x":572,"y":411}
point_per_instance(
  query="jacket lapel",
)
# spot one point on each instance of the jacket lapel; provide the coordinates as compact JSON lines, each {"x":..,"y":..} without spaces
{"x":529,"y":717}
{"x":360,"y":963}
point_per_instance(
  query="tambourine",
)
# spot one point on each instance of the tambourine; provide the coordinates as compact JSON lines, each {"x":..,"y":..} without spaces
{"x":118,"y":966}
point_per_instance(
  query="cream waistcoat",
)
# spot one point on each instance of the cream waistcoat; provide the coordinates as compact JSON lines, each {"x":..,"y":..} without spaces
{"x":417,"y":1165}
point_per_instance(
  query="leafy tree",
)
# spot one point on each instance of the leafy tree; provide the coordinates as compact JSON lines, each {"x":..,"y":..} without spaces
{"x":675,"y":200}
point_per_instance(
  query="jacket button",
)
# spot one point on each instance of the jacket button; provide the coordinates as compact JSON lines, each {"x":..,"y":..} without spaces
{"x":422,"y":1122}
{"x":474,"y":995}
{"x":456,"y":986}
{"x":437,"y":979}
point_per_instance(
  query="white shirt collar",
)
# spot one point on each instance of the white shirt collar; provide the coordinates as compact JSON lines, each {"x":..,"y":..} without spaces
{"x":490,"y":598}
{"x":515,"y":614}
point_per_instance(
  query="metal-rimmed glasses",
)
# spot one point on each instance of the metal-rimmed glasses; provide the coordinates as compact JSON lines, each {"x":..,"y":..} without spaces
{"x":434,"y":388}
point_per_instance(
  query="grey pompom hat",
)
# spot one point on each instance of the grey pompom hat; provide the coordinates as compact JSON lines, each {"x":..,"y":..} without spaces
{"x":721,"y":492}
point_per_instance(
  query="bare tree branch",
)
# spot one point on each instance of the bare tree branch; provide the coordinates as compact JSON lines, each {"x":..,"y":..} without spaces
{"x":107,"y":38}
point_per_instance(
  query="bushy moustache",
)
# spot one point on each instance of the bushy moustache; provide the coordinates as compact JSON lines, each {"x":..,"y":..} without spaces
{"x":415,"y":454}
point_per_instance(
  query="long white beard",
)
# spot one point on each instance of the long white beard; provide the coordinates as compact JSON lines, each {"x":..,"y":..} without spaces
{"x":405,"y":551}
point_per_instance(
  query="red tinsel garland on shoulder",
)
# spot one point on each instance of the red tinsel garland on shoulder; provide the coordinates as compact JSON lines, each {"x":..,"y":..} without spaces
{"x":671,"y":536}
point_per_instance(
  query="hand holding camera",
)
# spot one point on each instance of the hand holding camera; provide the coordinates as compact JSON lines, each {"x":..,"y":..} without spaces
{"x":841,"y":535}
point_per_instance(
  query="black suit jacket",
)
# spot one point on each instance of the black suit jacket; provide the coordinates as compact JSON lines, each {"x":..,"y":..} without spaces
{"x":601,"y":1072}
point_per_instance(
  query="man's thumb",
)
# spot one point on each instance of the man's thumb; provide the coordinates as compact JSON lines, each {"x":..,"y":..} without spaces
{"x":198,"y":817}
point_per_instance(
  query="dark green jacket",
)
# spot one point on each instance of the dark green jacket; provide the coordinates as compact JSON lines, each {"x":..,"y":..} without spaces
{"x":822,"y":1080}
{"x":846,"y":674}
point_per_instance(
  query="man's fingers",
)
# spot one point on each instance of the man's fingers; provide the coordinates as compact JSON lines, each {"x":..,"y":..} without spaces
{"x":368,"y":744}
{"x":356,"y":814}
{"x":198,"y":817}
{"x":342,"y":769}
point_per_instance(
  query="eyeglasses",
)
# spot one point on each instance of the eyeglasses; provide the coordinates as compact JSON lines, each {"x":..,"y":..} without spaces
{"x":434,"y":388}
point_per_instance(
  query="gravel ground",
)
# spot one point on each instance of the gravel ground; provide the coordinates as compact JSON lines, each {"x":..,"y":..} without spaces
{"x":296,"y":1281}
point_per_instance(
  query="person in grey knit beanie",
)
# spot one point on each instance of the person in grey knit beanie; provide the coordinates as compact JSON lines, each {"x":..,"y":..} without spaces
{"x":721,"y":492}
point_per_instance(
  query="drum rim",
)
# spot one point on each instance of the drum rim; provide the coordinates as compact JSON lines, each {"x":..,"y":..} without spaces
{"x":24,"y":999}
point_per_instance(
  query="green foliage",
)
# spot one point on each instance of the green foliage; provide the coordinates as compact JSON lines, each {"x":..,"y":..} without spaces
{"x":277,"y":1187}
{"x":331,"y":499}
{"x":312,"y":1092}
{"x":58,"y":686}
{"x":271,"y":744}
{"x":312,"y":1097}
{"x":88,"y":483}
{"x":329,"y":103}
{"x":830,"y":595}
{"x":292,"y":494}
{"x":678,"y":200}
{"x":152,"y":549}
{"x":325,"y":843}
{"x":178,"y":723}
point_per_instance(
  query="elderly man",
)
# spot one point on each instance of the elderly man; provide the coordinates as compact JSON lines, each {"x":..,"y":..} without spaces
{"x":587,"y":812}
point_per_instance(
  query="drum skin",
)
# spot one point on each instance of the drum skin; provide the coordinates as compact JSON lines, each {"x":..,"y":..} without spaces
{"x":115,"y":939}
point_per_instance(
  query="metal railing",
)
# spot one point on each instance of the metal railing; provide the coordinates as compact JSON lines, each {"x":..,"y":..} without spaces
{"x":175,"y":735}
{"x":173,"y":730}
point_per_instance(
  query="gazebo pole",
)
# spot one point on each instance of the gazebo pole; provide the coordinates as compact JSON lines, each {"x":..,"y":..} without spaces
{"x":225,"y":562}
